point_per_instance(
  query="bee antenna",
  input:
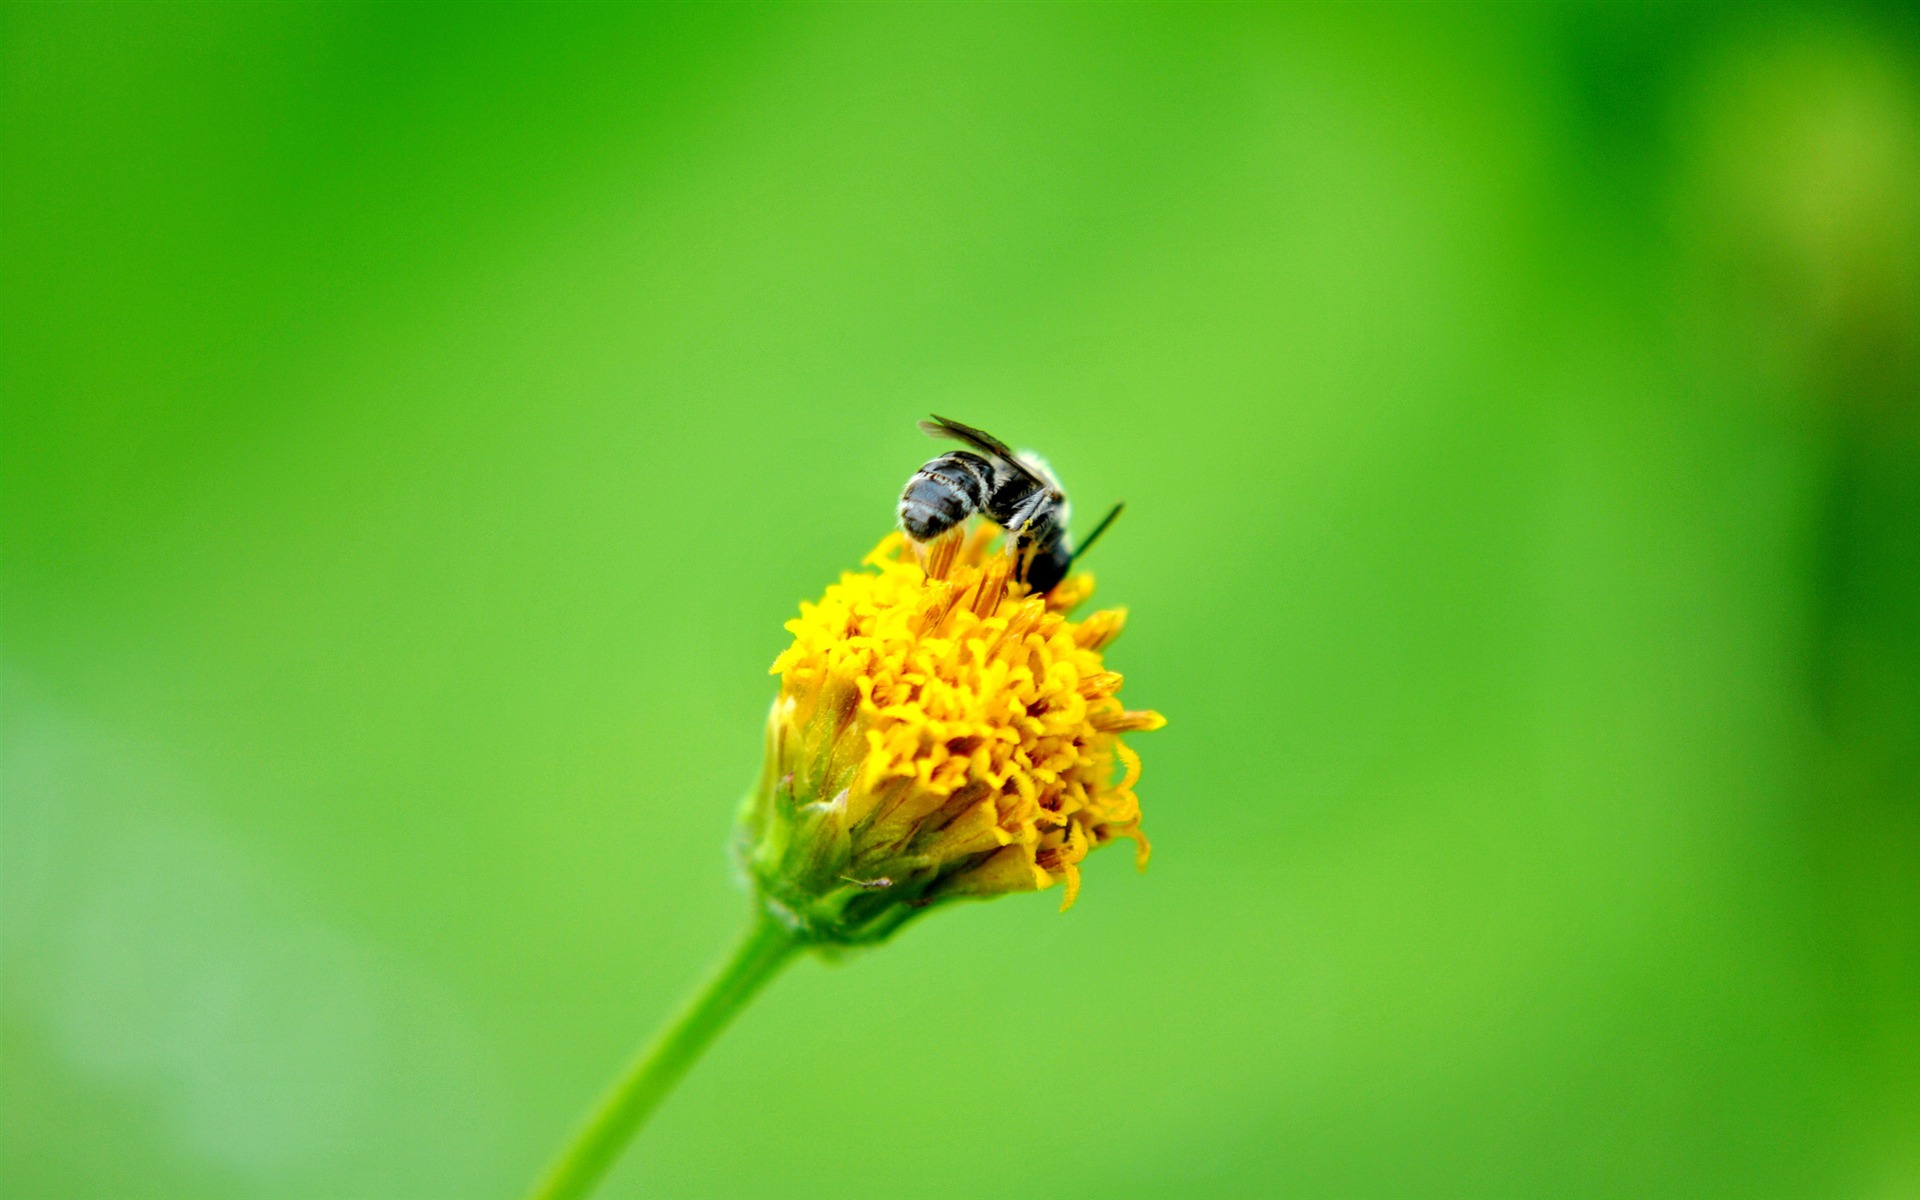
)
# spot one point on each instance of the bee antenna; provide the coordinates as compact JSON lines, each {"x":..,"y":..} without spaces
{"x":1099,"y":529}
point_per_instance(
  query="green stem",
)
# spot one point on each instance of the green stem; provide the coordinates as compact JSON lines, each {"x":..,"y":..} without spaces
{"x":766,"y":947}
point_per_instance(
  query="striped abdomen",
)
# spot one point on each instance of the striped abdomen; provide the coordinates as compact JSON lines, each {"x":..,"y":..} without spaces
{"x":944,"y":493}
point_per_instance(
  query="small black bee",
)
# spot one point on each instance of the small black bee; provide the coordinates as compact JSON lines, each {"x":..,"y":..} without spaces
{"x":1015,"y":491}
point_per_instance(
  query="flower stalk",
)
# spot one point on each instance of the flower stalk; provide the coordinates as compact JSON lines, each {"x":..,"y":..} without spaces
{"x":766,"y":947}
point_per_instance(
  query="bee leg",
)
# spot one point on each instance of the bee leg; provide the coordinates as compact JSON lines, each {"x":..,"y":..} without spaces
{"x":1033,"y":534}
{"x":937,"y":557}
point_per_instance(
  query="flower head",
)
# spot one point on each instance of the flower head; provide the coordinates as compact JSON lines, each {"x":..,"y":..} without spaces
{"x":940,"y":733}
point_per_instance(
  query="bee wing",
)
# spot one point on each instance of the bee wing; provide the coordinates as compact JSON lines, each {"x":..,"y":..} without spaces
{"x":979,"y":439}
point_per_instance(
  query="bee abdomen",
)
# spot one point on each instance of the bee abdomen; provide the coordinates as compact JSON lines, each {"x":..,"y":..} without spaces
{"x":944,"y":493}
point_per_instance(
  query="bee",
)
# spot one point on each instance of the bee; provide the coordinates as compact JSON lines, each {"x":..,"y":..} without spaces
{"x":1015,"y":491}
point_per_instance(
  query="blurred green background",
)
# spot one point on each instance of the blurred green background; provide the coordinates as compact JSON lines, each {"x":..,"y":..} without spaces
{"x":419,"y":421}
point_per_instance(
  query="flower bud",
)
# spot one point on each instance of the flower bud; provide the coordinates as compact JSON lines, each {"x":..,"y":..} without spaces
{"x":940,"y":733}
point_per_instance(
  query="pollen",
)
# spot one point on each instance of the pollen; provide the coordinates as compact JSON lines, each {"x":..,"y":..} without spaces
{"x":942,"y":730}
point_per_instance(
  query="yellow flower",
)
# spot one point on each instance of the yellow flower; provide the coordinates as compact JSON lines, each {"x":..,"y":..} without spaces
{"x":940,"y":733}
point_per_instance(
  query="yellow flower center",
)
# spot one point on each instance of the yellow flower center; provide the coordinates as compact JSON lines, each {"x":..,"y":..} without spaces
{"x":962,"y":731}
